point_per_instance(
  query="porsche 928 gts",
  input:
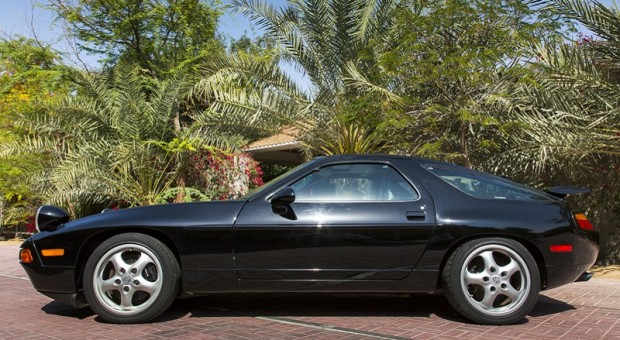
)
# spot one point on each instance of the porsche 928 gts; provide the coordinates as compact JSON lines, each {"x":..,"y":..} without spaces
{"x":356,"y":223}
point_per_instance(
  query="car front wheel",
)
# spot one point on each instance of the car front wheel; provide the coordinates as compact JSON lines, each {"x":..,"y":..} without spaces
{"x":131,"y":278}
{"x":492,"y":281}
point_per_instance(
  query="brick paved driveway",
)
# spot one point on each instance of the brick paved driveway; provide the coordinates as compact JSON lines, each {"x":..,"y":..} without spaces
{"x":588,"y":310}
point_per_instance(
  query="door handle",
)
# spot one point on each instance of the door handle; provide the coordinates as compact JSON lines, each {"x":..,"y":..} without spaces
{"x":416,"y":215}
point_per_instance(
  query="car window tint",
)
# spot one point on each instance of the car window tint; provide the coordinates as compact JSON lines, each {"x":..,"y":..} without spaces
{"x":354,"y":182}
{"x":486,"y":187}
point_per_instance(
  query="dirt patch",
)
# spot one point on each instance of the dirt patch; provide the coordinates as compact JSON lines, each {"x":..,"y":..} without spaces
{"x":9,"y":242}
{"x":607,"y":272}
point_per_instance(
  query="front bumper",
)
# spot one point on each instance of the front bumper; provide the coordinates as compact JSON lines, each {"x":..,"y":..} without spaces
{"x":57,"y":282}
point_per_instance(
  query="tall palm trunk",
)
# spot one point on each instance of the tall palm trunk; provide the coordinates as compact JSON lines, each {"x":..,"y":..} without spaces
{"x":181,"y":166}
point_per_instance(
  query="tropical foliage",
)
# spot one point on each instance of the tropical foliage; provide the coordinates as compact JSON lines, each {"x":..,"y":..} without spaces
{"x":96,"y":152}
{"x":114,"y":143}
{"x":446,"y":66}
{"x":574,"y":114}
{"x":322,"y":39}
{"x":31,"y":79}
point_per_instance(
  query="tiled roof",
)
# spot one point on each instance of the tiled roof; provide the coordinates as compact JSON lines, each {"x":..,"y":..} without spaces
{"x":288,"y":136}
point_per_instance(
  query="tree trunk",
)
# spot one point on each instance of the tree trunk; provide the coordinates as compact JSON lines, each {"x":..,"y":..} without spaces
{"x":181,"y":180}
{"x":181,"y":185}
{"x":464,"y":148}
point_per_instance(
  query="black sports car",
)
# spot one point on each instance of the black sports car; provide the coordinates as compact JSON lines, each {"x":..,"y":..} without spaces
{"x":335,"y":224}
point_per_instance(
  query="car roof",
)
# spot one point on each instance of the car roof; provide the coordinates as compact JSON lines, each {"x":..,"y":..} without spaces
{"x":361,"y":157}
{"x":377,"y":157}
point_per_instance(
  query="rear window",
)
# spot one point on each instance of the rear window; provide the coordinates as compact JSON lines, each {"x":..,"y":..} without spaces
{"x":486,"y":186}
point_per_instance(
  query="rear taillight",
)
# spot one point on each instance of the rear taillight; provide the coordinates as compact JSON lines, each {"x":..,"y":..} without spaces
{"x":561,"y":248}
{"x":583,"y":222}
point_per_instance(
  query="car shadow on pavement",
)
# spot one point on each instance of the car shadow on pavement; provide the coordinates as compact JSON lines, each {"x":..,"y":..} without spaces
{"x":312,"y":305}
{"x":317,"y":305}
{"x":335,"y":305}
{"x":332,"y":305}
{"x":62,"y":309}
{"x":548,"y":306}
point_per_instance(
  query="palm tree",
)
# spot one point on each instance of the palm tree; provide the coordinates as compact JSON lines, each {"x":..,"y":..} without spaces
{"x":323,"y":39}
{"x":119,"y":139}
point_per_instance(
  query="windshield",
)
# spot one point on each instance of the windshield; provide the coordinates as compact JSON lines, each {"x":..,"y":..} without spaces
{"x":258,"y":190}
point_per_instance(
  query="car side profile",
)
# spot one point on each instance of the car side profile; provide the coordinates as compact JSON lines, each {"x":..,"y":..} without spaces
{"x":352,"y":223}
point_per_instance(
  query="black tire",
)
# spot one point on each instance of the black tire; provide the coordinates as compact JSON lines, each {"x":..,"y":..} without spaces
{"x":131,"y":278}
{"x":492,"y":281}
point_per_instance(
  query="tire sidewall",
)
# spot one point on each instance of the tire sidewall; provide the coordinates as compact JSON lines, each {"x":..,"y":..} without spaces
{"x":451,"y":277}
{"x":170,"y":278}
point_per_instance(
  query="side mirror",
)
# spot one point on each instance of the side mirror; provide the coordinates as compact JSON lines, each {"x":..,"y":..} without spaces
{"x":283,"y":197}
{"x":49,"y":217}
{"x":280,"y":203}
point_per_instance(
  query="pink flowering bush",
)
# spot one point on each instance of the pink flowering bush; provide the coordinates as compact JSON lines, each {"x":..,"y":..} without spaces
{"x":219,"y":175}
{"x":30,"y":224}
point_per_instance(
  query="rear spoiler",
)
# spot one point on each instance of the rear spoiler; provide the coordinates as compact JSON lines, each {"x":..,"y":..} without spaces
{"x":563,"y":192}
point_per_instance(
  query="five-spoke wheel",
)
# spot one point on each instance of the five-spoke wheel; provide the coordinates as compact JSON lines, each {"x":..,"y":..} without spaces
{"x":492,"y":281}
{"x":131,"y":278}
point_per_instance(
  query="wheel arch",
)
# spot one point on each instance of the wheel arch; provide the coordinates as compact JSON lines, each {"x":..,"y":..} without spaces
{"x":528,"y":244}
{"x":92,"y":242}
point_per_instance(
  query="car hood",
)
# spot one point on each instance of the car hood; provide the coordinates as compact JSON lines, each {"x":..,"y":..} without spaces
{"x":166,"y":215}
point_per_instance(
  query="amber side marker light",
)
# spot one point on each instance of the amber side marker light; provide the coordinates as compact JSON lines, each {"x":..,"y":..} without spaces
{"x":583,"y":222}
{"x":52,"y":252}
{"x":561,"y":248}
{"x":25,"y":255}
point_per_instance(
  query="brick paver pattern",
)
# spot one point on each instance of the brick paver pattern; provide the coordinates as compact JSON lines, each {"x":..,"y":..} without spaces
{"x":585,"y":310}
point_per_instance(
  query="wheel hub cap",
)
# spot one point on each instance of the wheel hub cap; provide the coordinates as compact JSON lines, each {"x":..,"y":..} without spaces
{"x":127,"y":279}
{"x":496,"y":280}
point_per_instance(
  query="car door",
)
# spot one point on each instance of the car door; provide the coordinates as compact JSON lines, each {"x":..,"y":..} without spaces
{"x":348,"y":221}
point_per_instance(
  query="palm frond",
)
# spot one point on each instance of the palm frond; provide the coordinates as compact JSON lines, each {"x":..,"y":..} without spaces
{"x":359,"y":82}
{"x":602,"y":20}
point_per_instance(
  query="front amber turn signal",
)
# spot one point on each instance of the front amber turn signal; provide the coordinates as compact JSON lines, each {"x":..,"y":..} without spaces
{"x":52,"y":252}
{"x":25,"y":255}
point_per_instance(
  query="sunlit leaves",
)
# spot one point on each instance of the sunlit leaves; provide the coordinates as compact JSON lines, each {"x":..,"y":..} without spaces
{"x":31,"y":78}
{"x":160,"y":36}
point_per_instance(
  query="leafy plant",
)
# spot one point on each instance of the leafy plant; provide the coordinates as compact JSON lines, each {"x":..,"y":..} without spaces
{"x":160,"y":36}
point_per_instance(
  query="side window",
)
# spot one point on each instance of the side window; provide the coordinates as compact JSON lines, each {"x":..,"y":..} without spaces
{"x":486,"y":186}
{"x":353,"y":183}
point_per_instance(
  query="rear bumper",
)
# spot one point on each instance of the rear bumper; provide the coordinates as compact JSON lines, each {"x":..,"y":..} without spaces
{"x":586,"y":276}
{"x":561,"y":275}
{"x":570,"y":267}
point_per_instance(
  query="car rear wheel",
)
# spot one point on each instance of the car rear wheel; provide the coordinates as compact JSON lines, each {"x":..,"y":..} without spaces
{"x":492,"y":281}
{"x":131,"y":278}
